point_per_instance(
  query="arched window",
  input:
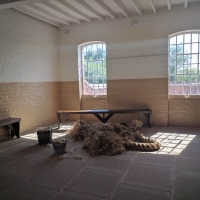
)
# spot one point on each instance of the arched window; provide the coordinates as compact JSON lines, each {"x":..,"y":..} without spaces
{"x":92,"y":68}
{"x":184,"y":59}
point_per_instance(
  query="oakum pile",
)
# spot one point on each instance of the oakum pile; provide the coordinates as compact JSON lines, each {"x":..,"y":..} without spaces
{"x":111,"y":138}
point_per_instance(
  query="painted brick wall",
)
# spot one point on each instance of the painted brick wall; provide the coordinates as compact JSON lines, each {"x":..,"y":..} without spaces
{"x":35,"y":83}
{"x":36,"y":103}
{"x":29,"y":71}
{"x":123,"y":40}
{"x":142,"y":80}
{"x":184,"y":112}
{"x":28,"y":49}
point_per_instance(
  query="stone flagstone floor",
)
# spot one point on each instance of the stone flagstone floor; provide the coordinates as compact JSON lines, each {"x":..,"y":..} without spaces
{"x":32,"y":171}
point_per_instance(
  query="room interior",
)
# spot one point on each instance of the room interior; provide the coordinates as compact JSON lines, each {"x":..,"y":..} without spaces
{"x":39,"y":75}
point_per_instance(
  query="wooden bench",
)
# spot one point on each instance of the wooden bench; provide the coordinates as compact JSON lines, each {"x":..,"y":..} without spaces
{"x":13,"y":124}
{"x":63,"y":114}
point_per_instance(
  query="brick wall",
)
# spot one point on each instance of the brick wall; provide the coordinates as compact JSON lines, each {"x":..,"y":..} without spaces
{"x":29,"y":75}
{"x":28,"y":49}
{"x":184,"y":112}
{"x":35,"y":103}
{"x":134,"y":78}
{"x":35,"y":82}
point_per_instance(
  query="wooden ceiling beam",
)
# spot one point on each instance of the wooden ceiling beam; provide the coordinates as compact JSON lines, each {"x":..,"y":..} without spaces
{"x":122,"y":7}
{"x":17,"y":3}
{"x":136,"y":7}
{"x":35,"y":15}
{"x":94,"y":12}
{"x":186,"y":4}
{"x":46,"y":12}
{"x":86,"y":17}
{"x":152,"y":6}
{"x":169,"y":5}
{"x":106,"y":8}
{"x":54,"y":7}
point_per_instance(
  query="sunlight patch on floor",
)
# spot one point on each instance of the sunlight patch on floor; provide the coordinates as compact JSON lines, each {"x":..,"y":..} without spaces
{"x":56,"y":133}
{"x":65,"y":127}
{"x":172,"y":143}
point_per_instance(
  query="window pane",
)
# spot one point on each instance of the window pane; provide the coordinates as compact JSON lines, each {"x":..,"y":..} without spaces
{"x":180,"y":59}
{"x":104,"y":47}
{"x":173,"y":40}
{"x":173,"y":59}
{"x":85,"y":86}
{"x":85,"y":68}
{"x":85,"y":71}
{"x":186,"y":79}
{"x":89,"y":48}
{"x":194,"y":78}
{"x":94,"y":69}
{"x":186,"y":69}
{"x":172,"y":69}
{"x":85,"y":56}
{"x":100,"y":74}
{"x":90,"y":69}
{"x":100,"y":64}
{"x":179,"y":79}
{"x":86,"y":80}
{"x":100,"y":47}
{"x":199,"y":45}
{"x":179,"y":84}
{"x":172,"y":49}
{"x":194,"y":85}
{"x":94,"y":55}
{"x":195,"y":48}
{"x":101,"y":81}
{"x":186,"y":59}
{"x":179,"y":49}
{"x":187,"y":48}
{"x":94,"y":47}
{"x":194,"y":58}
{"x":184,"y":72}
{"x":187,"y":38}
{"x":180,"y":69}
{"x":90,"y":55}
{"x":179,"y":89}
{"x":172,"y":86}
{"x":194,"y":37}
{"x":100,"y":55}
{"x":104,"y":69}
{"x":199,"y":85}
{"x":90,"y":80}
{"x":194,"y":69}
{"x":84,"y":49}
{"x":180,"y":39}
{"x":187,"y":84}
{"x":172,"y":79}
{"x":104,"y":55}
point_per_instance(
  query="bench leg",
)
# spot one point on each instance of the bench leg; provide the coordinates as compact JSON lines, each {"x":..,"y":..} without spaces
{"x":147,"y":116}
{"x":149,"y":120}
{"x":103,"y":119}
{"x":15,"y":129}
{"x":61,"y":119}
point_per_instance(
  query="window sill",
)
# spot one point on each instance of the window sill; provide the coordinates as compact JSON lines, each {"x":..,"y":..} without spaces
{"x":183,"y":96}
{"x":94,"y":97}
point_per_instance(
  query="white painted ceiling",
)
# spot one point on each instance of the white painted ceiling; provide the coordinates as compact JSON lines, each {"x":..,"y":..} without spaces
{"x":68,"y":12}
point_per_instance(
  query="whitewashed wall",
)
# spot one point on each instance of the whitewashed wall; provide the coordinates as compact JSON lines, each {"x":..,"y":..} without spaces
{"x":28,"y":49}
{"x":124,"y":40}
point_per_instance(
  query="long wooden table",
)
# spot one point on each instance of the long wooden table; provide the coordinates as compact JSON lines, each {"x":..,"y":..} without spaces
{"x":63,"y":114}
